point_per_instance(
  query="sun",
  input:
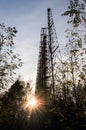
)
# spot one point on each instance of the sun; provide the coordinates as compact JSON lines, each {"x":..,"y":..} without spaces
{"x":33,"y":103}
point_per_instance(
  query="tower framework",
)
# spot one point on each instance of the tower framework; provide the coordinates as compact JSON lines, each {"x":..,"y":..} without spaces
{"x":49,"y":57}
{"x":54,"y":52}
{"x":42,"y":62}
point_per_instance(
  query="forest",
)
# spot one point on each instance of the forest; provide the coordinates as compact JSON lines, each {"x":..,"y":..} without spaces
{"x":66,"y":109}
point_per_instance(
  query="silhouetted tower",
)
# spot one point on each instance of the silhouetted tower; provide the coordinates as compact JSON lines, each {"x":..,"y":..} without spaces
{"x":41,"y":83}
{"x":54,"y":52}
{"x":49,"y":57}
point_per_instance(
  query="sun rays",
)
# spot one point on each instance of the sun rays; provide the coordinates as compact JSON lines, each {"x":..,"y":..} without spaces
{"x":33,"y":103}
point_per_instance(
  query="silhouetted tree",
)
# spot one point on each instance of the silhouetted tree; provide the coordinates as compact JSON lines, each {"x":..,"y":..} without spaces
{"x":9,"y":60}
{"x":13,"y":116}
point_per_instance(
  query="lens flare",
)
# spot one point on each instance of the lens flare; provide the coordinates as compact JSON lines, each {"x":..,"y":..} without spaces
{"x":33,"y":103}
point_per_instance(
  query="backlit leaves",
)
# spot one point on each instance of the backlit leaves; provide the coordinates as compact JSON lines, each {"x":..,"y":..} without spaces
{"x":76,"y":12}
{"x":9,"y":60}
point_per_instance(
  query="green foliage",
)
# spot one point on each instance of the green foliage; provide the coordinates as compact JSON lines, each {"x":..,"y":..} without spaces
{"x":9,"y":61}
{"x":66,"y":114}
{"x":75,"y":46}
{"x":76,"y":12}
{"x":12,"y":114}
{"x":82,"y":76}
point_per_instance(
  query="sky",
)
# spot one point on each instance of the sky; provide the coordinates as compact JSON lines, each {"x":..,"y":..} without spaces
{"x":29,"y":16}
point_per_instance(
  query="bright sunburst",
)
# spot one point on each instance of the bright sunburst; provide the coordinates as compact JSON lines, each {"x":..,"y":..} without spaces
{"x":33,"y":103}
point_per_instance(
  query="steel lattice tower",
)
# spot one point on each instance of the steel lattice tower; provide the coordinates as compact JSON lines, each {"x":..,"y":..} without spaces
{"x":49,"y":57}
{"x":54,"y":52}
{"x":42,"y":62}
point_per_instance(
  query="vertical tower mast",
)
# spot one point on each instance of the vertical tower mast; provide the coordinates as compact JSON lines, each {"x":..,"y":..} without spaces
{"x":49,"y":57}
{"x":42,"y":63}
{"x":54,"y":50}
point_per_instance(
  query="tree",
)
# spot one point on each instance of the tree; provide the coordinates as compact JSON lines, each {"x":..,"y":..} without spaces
{"x":76,"y":57}
{"x":76,"y":12}
{"x":13,"y":116}
{"x":9,"y":60}
{"x":76,"y":49}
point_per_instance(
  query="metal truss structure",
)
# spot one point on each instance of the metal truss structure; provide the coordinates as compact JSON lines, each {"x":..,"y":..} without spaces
{"x":49,"y":57}
{"x":42,"y":62}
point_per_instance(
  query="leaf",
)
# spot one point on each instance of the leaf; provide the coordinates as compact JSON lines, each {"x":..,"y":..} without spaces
{"x":82,"y":76}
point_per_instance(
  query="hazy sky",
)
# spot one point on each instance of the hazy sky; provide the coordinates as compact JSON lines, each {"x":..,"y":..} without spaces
{"x":28,"y":16}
